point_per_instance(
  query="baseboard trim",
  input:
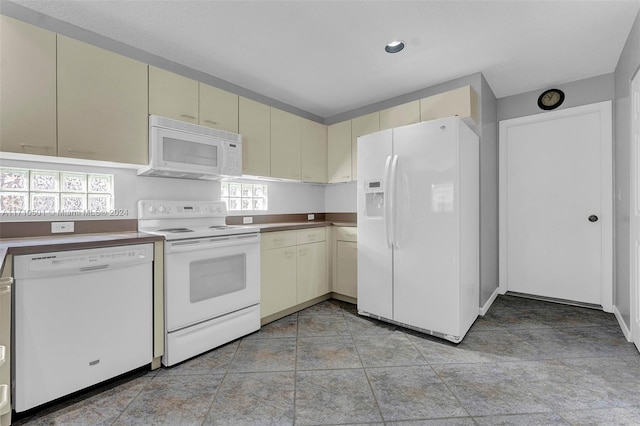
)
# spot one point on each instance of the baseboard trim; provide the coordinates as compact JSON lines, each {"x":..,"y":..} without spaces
{"x":622,"y":324}
{"x":485,"y":308}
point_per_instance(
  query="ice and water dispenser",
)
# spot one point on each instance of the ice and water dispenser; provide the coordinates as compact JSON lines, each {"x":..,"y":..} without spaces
{"x":374,"y":198}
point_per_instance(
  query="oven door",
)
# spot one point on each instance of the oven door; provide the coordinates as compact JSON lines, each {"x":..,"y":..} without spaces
{"x":209,"y":277}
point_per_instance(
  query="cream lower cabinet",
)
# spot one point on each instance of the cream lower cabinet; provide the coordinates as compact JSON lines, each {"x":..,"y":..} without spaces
{"x":102,"y":104}
{"x":345,"y":262}
{"x":27,"y":88}
{"x":311,"y":263}
{"x":293,"y":269}
{"x":278,"y":280}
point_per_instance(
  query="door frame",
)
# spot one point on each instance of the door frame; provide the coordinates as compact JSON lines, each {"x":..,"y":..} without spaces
{"x":634,"y":273}
{"x":606,"y":187}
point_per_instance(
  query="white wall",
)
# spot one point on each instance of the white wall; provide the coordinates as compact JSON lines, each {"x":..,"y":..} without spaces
{"x":290,"y":197}
{"x":129,"y":188}
{"x":341,"y":197}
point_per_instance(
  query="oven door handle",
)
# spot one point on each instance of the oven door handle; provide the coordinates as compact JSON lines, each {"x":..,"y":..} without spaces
{"x":182,"y":246}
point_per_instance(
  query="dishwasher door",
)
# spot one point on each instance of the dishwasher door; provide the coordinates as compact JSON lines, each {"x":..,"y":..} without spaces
{"x":80,"y":317}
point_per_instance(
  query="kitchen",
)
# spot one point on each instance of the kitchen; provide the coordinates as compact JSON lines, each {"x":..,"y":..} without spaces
{"x":295,"y":198}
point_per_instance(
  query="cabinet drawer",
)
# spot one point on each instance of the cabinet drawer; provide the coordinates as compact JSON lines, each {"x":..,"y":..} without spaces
{"x":312,"y":235}
{"x":346,"y":233}
{"x":271,"y":240}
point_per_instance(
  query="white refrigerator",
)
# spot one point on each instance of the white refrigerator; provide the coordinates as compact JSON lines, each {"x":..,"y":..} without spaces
{"x":418,"y":227}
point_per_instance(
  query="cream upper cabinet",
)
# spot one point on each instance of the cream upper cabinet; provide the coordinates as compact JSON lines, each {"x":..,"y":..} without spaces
{"x":285,"y":145}
{"x":400,"y":115}
{"x":27,"y":88}
{"x":339,"y":152}
{"x":254,"y":124}
{"x":218,"y":108}
{"x":360,"y":126}
{"x":462,"y":102}
{"x":102,"y":104}
{"x":313,"y":151}
{"x":172,"y":95}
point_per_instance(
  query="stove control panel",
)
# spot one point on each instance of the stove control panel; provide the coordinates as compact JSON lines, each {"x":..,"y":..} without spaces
{"x":152,"y":209}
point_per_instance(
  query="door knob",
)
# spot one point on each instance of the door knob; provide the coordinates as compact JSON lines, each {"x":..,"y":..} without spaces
{"x":593,"y":218}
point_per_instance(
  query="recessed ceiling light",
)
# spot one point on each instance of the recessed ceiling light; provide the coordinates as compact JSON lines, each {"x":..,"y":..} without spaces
{"x":394,"y":47}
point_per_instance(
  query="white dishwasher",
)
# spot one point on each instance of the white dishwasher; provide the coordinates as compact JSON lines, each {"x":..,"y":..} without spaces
{"x":81,"y":317}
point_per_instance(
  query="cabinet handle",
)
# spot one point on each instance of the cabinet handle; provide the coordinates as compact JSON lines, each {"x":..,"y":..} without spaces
{"x":346,"y":177}
{"x":303,"y":252}
{"x":27,"y":145}
{"x":311,"y":237}
{"x":289,"y":254}
{"x":80,"y":151}
{"x":210,"y":121}
{"x":188,"y":116}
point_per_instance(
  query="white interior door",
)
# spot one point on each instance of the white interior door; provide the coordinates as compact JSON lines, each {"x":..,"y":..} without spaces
{"x":556,"y":205}
{"x":635,"y":211}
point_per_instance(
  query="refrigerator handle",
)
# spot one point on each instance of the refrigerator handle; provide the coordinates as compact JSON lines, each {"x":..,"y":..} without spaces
{"x":392,"y":198}
{"x":387,"y":203}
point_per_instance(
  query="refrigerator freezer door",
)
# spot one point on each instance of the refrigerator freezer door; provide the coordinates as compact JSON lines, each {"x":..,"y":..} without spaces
{"x":375,"y":256}
{"x":426,"y":232}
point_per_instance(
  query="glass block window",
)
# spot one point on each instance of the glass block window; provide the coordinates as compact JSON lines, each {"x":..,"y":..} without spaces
{"x":245,"y":196}
{"x":31,"y":192}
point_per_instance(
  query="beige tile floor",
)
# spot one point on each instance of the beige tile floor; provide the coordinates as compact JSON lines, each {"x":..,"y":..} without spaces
{"x":526,"y":362}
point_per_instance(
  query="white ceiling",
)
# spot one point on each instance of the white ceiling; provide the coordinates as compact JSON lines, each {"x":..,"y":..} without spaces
{"x":327,"y":57}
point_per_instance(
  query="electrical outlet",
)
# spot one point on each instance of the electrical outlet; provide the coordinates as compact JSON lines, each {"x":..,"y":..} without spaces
{"x":247,"y":220}
{"x":311,"y":216}
{"x":59,"y":227}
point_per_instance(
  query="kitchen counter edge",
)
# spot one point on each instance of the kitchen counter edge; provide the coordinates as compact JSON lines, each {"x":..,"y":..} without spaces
{"x":288,"y":226}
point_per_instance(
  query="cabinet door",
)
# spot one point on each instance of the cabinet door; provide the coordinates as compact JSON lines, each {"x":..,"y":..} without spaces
{"x":360,"y":126}
{"x":172,"y":95}
{"x":400,"y":115}
{"x":102,"y":104}
{"x":218,"y":108}
{"x":312,"y":271}
{"x":254,"y":124}
{"x":27,"y":88}
{"x":285,"y":145}
{"x":462,"y":102}
{"x":346,"y":268}
{"x":313,"y":151}
{"x":278,"y":280}
{"x":339,"y":152}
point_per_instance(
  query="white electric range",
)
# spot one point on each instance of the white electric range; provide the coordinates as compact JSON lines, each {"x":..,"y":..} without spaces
{"x":211,"y":275}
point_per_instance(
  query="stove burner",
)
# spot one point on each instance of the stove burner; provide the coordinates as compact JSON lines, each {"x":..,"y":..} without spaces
{"x":218,"y":227}
{"x":175,"y":230}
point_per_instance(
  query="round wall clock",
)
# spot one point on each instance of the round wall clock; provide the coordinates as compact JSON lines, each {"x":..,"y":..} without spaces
{"x":550,"y":99}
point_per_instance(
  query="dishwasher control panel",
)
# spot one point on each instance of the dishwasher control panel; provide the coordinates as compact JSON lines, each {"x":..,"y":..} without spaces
{"x":86,"y":259}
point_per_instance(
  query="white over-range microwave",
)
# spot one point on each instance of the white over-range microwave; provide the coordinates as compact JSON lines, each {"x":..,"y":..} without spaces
{"x":189,"y":151}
